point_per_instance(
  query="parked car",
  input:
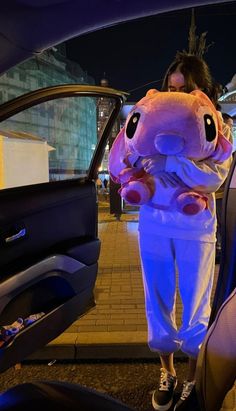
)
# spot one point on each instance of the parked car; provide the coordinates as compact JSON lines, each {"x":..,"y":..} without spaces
{"x":49,"y":245}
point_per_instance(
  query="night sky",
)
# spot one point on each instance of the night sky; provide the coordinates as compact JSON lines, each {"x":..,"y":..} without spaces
{"x":138,"y":52}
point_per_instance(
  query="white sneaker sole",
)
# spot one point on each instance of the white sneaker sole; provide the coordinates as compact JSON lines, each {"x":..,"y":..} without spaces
{"x":164,"y":407}
{"x":158,"y":407}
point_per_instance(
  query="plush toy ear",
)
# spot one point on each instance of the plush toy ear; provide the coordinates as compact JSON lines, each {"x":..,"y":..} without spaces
{"x":203,"y":97}
{"x":223,"y":148}
{"x":117,"y":155}
{"x":151,"y":92}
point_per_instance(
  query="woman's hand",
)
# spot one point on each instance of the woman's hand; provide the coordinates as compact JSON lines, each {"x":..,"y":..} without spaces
{"x":155,"y":164}
{"x":169,"y":179}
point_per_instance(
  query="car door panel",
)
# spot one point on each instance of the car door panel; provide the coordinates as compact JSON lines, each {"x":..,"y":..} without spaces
{"x":53,"y":268}
{"x":51,"y":216}
{"x":44,"y":330}
{"x":49,"y":245}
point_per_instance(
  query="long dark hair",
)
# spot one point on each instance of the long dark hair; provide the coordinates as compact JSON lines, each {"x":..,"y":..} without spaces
{"x":196,"y":73}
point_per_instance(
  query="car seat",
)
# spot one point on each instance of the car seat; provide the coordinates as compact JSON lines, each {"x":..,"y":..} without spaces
{"x":216,"y":365}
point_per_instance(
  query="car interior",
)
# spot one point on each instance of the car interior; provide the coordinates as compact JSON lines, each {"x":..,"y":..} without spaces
{"x":49,"y":245}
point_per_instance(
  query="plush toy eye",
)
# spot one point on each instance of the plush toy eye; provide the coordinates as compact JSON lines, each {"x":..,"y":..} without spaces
{"x":132,"y":125}
{"x":210,"y":127}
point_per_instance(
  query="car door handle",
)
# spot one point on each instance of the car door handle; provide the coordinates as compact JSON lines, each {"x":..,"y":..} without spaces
{"x":16,"y":236}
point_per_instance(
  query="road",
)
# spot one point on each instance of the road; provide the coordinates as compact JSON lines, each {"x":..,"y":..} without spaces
{"x":131,"y":382}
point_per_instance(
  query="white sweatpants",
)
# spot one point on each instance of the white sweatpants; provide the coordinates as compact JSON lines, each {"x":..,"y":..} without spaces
{"x":194,"y":261}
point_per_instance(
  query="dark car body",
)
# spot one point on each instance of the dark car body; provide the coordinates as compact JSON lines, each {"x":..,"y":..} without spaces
{"x":31,"y":26}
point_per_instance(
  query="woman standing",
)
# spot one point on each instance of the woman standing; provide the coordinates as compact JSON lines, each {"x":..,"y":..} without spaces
{"x":168,"y":247}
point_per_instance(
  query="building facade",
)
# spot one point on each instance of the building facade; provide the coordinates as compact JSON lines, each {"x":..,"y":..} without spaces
{"x":69,"y":125}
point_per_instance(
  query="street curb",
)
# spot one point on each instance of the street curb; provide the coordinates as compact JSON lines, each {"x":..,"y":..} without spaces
{"x":98,"y":346}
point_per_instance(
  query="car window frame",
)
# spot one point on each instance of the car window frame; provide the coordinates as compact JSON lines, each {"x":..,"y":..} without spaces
{"x":42,"y":95}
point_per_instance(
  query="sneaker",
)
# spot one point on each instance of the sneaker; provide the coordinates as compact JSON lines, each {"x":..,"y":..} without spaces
{"x":187,"y":398}
{"x":162,"y":398}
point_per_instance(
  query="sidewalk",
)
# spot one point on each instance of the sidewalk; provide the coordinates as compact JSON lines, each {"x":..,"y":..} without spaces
{"x":116,"y":327}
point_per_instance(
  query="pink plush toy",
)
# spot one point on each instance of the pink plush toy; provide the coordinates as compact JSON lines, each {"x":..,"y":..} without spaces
{"x":171,"y":124}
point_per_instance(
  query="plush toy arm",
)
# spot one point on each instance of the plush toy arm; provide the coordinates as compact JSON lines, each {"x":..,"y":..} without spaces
{"x":130,"y":173}
{"x":137,"y":186}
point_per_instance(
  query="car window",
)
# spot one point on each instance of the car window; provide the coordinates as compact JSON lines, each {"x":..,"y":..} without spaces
{"x":54,"y":140}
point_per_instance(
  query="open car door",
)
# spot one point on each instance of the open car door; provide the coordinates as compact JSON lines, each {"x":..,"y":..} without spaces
{"x":51,"y":149}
